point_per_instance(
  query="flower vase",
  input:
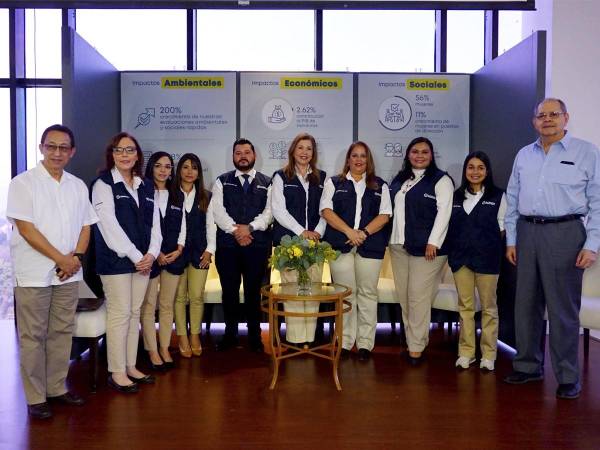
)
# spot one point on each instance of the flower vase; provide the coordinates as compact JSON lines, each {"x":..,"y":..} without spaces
{"x":304,"y":282}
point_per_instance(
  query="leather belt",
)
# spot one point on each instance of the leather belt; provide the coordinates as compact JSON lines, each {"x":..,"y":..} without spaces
{"x":544,"y":220}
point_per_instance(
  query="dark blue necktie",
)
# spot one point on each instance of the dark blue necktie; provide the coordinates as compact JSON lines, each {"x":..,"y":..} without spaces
{"x":246,"y":185}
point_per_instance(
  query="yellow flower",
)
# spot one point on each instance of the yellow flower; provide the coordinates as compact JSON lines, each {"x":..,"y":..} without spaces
{"x":298,"y":252}
{"x":311,"y":243}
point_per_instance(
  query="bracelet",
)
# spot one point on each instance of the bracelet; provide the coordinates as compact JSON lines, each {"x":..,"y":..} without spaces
{"x":364,"y":230}
{"x":79,"y":256}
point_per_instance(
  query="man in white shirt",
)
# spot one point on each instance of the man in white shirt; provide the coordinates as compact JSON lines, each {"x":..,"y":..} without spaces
{"x":51,"y":216}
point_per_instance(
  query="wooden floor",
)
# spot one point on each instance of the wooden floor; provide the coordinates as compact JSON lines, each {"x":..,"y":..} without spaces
{"x":222,"y":400}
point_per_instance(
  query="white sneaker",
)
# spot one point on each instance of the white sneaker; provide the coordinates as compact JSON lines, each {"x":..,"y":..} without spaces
{"x":487,"y":364}
{"x":463,"y":362}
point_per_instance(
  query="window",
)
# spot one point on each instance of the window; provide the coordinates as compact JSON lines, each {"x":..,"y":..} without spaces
{"x":256,"y":40}
{"x":136,"y":39}
{"x":44,"y":108}
{"x":378,"y":41}
{"x":43,"y":43}
{"x":6,"y":296}
{"x":509,"y":29}
{"x":465,"y":41}
{"x":4,"y":70}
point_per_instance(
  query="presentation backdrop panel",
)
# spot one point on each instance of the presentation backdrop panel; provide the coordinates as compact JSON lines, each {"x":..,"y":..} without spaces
{"x":275,"y":107}
{"x":393,"y":109}
{"x":186,"y":112}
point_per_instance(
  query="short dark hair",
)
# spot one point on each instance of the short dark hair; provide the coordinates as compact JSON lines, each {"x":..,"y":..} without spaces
{"x":242,"y":141}
{"x":488,"y":183}
{"x":62,"y":129}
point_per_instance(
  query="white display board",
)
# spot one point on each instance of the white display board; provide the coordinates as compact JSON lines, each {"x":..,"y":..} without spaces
{"x":395,"y":108}
{"x":182,"y":112}
{"x":275,"y":107}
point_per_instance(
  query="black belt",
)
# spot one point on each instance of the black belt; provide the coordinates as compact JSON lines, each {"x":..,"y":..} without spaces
{"x":559,"y":219}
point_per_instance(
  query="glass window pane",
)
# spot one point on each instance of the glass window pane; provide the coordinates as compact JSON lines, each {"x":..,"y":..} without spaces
{"x":44,"y":108}
{"x":379,"y":41}
{"x":465,"y":41}
{"x":510,"y":31}
{"x":256,"y":40}
{"x":136,"y":39}
{"x":6,"y":296}
{"x":43,"y":43}
{"x":4,"y":70}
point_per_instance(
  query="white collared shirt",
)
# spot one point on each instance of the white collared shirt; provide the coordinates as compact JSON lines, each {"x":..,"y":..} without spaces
{"x":385,"y":206}
{"x":211,"y":227}
{"x":58,"y":210}
{"x":444,"y":191}
{"x":161,"y":196}
{"x":224,"y":221}
{"x":279,"y":206}
{"x":113,"y":234}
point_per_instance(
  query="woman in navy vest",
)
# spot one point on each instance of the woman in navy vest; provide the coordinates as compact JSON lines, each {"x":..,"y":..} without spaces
{"x":422,"y":198}
{"x":128,"y":240}
{"x":199,"y":248}
{"x":295,"y":198}
{"x":356,"y":205}
{"x":168,"y":266}
{"x":475,"y":254}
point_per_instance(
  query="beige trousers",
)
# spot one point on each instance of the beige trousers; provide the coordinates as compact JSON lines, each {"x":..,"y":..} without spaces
{"x":361,"y":275}
{"x":124,"y":296}
{"x":162,"y":288}
{"x":466,"y":280}
{"x":45,"y":320}
{"x":301,"y":329}
{"x":417,"y":281}
{"x":190,"y":288}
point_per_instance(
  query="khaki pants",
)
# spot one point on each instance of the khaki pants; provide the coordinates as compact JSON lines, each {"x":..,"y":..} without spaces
{"x":167,"y":283}
{"x":361,"y":275}
{"x":124,"y":296}
{"x":45,"y":320}
{"x":417,"y":281}
{"x":466,"y":280}
{"x":301,"y":329}
{"x":190,"y":287}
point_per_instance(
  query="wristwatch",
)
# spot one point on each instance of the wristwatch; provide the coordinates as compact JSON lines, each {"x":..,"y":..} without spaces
{"x":79,"y":256}
{"x":364,"y":230}
{"x":250,"y":228}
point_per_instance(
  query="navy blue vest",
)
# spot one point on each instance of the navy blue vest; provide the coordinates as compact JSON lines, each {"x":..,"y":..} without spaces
{"x":344,"y":205}
{"x":195,"y":244}
{"x":244,"y":207}
{"x":474,"y":240}
{"x":136,"y":222}
{"x":297,"y":204}
{"x":170,"y":226}
{"x":420,"y":210}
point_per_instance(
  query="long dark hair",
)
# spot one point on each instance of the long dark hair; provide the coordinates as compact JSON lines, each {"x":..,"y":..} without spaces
{"x":406,"y":172}
{"x":488,"y":183}
{"x":290,"y":168}
{"x":109,"y":157}
{"x":201,"y":192}
{"x":149,"y":174}
{"x":370,"y":179}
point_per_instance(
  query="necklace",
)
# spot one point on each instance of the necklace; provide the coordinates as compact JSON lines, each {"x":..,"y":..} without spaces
{"x":411,"y":183}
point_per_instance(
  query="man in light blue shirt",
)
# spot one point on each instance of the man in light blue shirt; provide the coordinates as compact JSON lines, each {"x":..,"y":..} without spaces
{"x":553,"y":189}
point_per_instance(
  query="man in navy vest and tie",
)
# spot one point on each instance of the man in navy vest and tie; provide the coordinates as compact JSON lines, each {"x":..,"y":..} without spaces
{"x":242,"y":211}
{"x":554,"y":185}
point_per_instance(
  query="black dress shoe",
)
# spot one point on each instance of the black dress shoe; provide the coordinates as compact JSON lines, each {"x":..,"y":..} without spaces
{"x":168,"y":365}
{"x":68,"y":398}
{"x":129,"y":389}
{"x":227,"y":343}
{"x":158,"y":367}
{"x":363,"y":354}
{"x":39,"y":411}
{"x":569,"y":391}
{"x":345,"y":353}
{"x":521,"y":377}
{"x":146,"y":379}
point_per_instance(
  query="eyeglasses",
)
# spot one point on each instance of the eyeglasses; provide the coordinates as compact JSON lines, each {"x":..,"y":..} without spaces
{"x":161,"y":166}
{"x":551,"y":115}
{"x":63,"y":149}
{"x":124,"y":150}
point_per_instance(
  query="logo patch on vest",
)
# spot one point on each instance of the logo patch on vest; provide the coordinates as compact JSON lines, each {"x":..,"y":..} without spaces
{"x":290,"y":185}
{"x":176,"y":208}
{"x":230,"y":184}
{"x":457,"y":206}
{"x":150,"y":199}
{"x":119,"y":197}
{"x":429,"y":196}
{"x":378,"y":194}
{"x":341,"y":190}
{"x":489,"y":203}
{"x":262,"y":187}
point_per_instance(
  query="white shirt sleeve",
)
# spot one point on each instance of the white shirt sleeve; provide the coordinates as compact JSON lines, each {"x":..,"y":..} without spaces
{"x":113,"y":234}
{"x":89,"y":217}
{"x":183,"y":230}
{"x":502,"y":212}
{"x":263,"y":220}
{"x":222,"y":219}
{"x":19,"y":204}
{"x":444,"y":191}
{"x":327,"y":196}
{"x":155,"y":234}
{"x":385,"y":206}
{"x":211,"y":229}
{"x":279,"y":208}
{"x":320,"y":228}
